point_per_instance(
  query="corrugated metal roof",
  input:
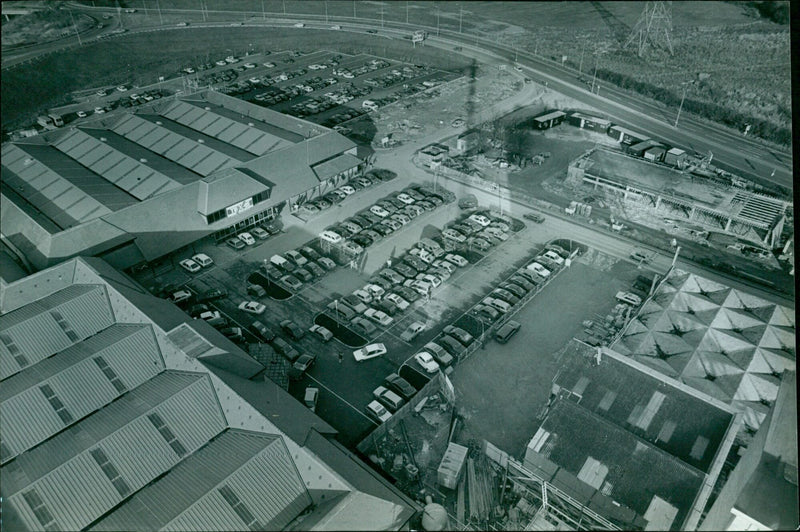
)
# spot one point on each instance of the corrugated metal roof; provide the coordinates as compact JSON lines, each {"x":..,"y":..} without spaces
{"x":84,"y":377}
{"x":66,"y":204}
{"x":337,"y":165}
{"x":38,"y":330}
{"x":80,"y":176}
{"x":125,"y":172}
{"x":171,"y":145}
{"x":238,"y":478}
{"x":136,"y":438}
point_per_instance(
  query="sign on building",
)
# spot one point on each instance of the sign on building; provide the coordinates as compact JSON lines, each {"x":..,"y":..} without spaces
{"x":238,"y":208}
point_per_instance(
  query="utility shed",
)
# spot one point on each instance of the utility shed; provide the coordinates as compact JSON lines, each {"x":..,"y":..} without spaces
{"x":548,"y":120}
{"x":675,"y":156}
{"x":452,"y":465}
{"x":656,"y":153}
{"x":593,"y":123}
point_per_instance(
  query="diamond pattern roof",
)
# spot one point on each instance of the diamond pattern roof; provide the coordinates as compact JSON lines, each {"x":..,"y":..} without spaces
{"x":728,"y":343}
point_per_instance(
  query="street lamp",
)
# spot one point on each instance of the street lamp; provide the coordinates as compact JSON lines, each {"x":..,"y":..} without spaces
{"x":685,"y":88}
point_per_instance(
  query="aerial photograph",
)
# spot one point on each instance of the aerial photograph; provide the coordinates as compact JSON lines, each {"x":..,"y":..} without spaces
{"x":397,"y":265}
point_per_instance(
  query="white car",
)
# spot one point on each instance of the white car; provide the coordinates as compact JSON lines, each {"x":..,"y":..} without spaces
{"x":421,"y":287}
{"x":555,"y":257}
{"x":378,"y":412}
{"x":203,"y":260}
{"x":452,"y":234}
{"x":347,"y":189}
{"x":363,"y":295}
{"x":424,"y":256}
{"x":379,"y":316}
{"x":374,"y":290}
{"x":369,"y":351}
{"x":539,"y":269}
{"x":247,"y":238}
{"x":81,"y":114}
{"x":99,"y":110}
{"x":458,"y":260}
{"x":412,"y":331}
{"x":330,"y":236}
{"x":122,"y":88}
{"x":432,"y":280}
{"x":426,"y":361}
{"x":253,"y":307}
{"x":221,"y":62}
{"x":401,"y":303}
{"x":190,"y":266}
{"x":180,"y":295}
{"x":377,"y":210}
{"x":444,"y":265}
{"x":254,"y":81}
{"x":480,"y":220}
{"x":336,"y":27}
{"x":299,"y":25}
{"x":249,"y":65}
{"x":405,"y":198}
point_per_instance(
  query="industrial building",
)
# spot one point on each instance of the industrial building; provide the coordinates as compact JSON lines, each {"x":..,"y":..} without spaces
{"x":592,"y":123}
{"x":639,"y":449}
{"x":724,"y":342}
{"x":761,"y":492}
{"x":122,"y":413}
{"x":548,"y":120}
{"x":134,"y":187}
{"x":664,"y":192}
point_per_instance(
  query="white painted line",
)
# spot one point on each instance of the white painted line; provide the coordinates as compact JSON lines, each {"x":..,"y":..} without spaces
{"x":342,"y":399}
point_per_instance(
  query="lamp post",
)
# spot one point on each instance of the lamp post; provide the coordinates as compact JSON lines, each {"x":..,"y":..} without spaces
{"x":685,"y":88}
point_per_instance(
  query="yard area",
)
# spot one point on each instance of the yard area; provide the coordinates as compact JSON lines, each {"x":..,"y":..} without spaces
{"x":502,"y":389}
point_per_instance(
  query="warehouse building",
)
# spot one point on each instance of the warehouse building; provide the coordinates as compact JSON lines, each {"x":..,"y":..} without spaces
{"x":134,"y":187}
{"x":122,"y":413}
{"x":640,"y":449}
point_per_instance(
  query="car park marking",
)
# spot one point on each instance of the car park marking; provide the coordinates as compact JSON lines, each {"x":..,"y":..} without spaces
{"x":342,"y":399}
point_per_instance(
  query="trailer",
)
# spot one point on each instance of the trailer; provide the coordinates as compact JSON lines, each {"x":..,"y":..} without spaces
{"x":625,"y":135}
{"x":548,"y":120}
{"x":592,"y":123}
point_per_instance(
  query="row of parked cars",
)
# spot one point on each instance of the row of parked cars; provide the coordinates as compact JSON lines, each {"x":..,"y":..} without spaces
{"x":381,"y":219}
{"x":248,"y":238}
{"x":298,"y":266}
{"x":510,"y":292}
{"x":479,"y":230}
{"x":333,"y":197}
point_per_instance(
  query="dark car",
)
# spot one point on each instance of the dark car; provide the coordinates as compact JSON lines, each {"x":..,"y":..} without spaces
{"x":292,"y":282}
{"x":415,"y":262}
{"x":405,"y":270}
{"x":391,"y":275}
{"x":362,"y":240}
{"x":530,"y":276}
{"x":362,"y":325}
{"x":273,"y":272}
{"x":382,"y":229}
{"x":538,"y":218}
{"x":521,"y":281}
{"x":315,"y":269}
{"x":212,"y":295}
{"x":285,"y":348}
{"x":370,"y":217}
{"x":505,"y":295}
{"x":196,"y":310}
{"x":235,"y":334}
{"x":383,"y":282}
{"x":387,"y":306}
{"x":292,"y":329}
{"x":262,"y":331}
{"x":301,"y":365}
{"x":374,"y":235}
{"x":309,"y":253}
{"x":453,"y":346}
{"x":514,"y":289}
{"x":400,"y":386}
{"x":303,"y":274}
{"x":407,"y":293}
{"x":458,"y":333}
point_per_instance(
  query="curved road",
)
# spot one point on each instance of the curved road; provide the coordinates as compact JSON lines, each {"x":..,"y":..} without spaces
{"x":735,"y":153}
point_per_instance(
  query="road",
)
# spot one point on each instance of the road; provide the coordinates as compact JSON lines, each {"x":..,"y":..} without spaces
{"x":732,"y":152}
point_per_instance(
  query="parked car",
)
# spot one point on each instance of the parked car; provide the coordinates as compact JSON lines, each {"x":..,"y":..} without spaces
{"x":377,"y":210}
{"x":213,"y":318}
{"x":322,"y":332}
{"x":480,"y":219}
{"x":553,"y":256}
{"x":407,"y":293}
{"x":505,"y":295}
{"x":303,"y":275}
{"x":301,"y":365}
{"x":331,"y":237}
{"x":539,"y":269}
{"x":442,"y":357}
{"x":458,"y":333}
{"x":485,"y":311}
{"x":235,"y":334}
{"x":294,"y":331}
{"x":538,"y":218}
{"x":292,"y":282}
{"x":235,"y":242}
{"x":311,"y":397}
{"x":362,"y":325}
{"x":285,"y":348}
{"x":453,"y":346}
{"x":212,"y":295}
{"x":259,"y":233}
{"x":398,"y":301}
{"x":180,"y":296}
{"x":309,"y":253}
{"x":247,"y":238}
{"x":376,"y":411}
{"x":190,"y":266}
{"x":399,"y":385}
{"x":388,"y":398}
{"x":458,"y":260}
{"x":296,"y":257}
{"x":252,"y":307}
{"x":203,"y":260}
{"x":326,"y":263}
{"x":369,"y":351}
{"x":262,"y":331}
{"x":514,"y":289}
{"x":379,"y":316}
{"x":427,"y":362}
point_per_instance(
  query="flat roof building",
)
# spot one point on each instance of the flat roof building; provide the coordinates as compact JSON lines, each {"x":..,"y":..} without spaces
{"x":640,"y":449}
{"x":134,"y":187}
{"x":122,"y":413}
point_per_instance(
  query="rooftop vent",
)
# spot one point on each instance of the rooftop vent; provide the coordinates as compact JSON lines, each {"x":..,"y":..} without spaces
{"x":201,"y":141}
{"x":103,"y":139}
{"x":207,"y":108}
{"x":158,"y":122}
{"x":142,"y":160}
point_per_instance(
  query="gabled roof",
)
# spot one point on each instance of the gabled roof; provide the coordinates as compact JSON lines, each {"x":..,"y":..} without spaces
{"x":225,"y":188}
{"x":241,"y":480}
{"x":82,"y":473}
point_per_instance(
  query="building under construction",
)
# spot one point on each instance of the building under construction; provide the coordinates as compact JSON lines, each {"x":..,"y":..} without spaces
{"x":681,"y":196}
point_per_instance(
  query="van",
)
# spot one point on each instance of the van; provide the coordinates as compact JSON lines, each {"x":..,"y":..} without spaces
{"x":502,"y":306}
{"x":282,"y":263}
{"x":507,"y":331}
{"x":311,"y":398}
